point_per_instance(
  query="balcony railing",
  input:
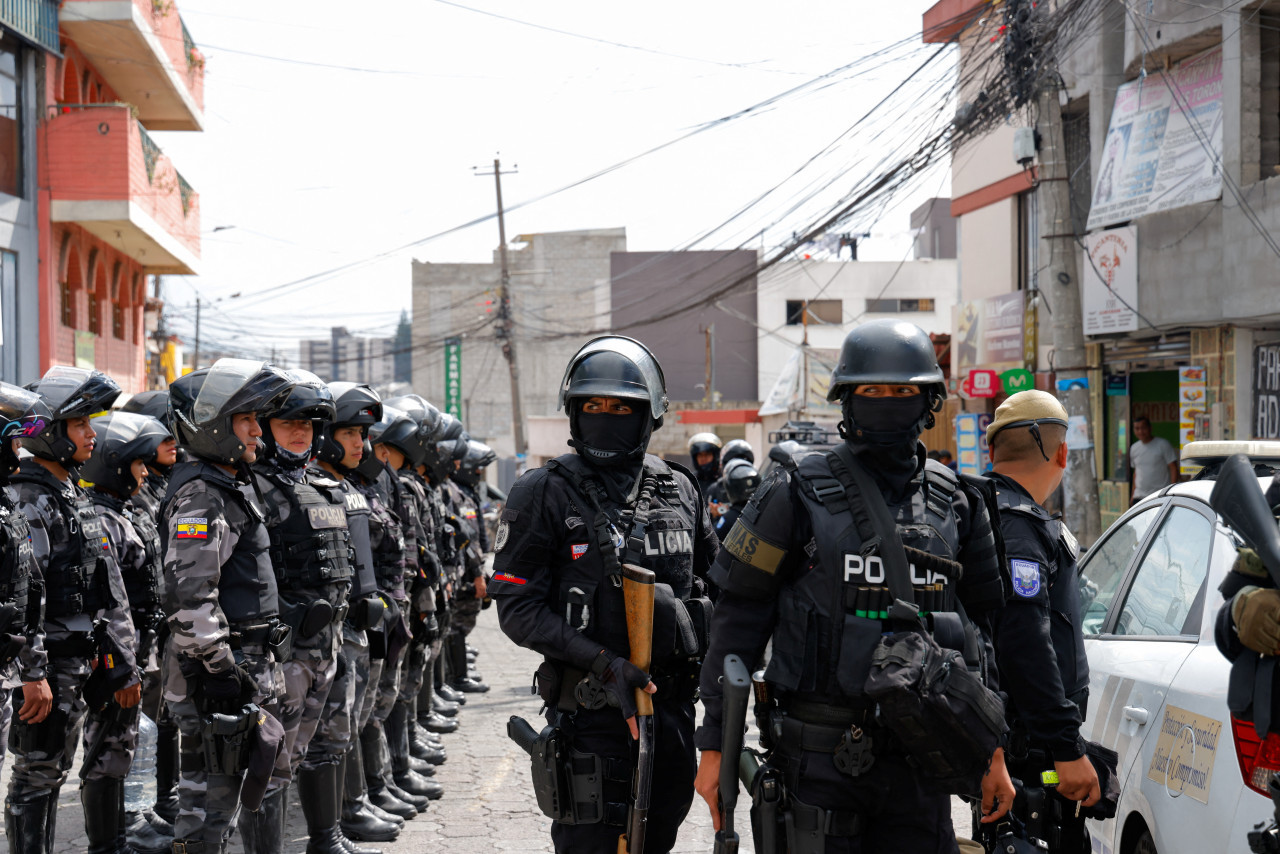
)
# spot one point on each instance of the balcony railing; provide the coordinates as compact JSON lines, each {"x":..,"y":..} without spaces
{"x":34,"y":20}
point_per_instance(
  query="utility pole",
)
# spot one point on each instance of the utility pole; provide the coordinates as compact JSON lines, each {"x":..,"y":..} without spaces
{"x":1070,"y":360}
{"x":504,"y":316}
{"x":195,"y":356}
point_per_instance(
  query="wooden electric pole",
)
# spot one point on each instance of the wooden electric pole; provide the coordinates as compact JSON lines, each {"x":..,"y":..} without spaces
{"x":504,"y":316}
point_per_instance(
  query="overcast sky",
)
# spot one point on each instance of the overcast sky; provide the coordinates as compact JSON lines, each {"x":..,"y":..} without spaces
{"x":337,"y":132}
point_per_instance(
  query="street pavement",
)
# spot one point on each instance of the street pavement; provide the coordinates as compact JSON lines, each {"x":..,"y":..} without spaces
{"x":488,"y":803}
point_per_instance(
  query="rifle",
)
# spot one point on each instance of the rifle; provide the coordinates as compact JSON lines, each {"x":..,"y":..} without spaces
{"x":737,"y":687}
{"x":637,"y":595}
{"x":1238,"y":499}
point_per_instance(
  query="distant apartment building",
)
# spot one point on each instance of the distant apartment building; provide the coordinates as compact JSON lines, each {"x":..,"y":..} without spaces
{"x":343,"y":357}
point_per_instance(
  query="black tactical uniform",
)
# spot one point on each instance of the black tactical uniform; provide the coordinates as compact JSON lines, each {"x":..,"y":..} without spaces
{"x":796,"y":571}
{"x":739,"y":483}
{"x":563,"y":534}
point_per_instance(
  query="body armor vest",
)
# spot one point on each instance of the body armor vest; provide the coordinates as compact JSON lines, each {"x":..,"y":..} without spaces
{"x":1064,"y":587}
{"x":16,"y":557}
{"x":359,"y":520}
{"x":76,"y":577}
{"x":385,"y":537}
{"x":831,"y":616}
{"x":247,"y":591}
{"x":311,"y":547}
{"x":142,"y":584}
{"x":586,"y":594}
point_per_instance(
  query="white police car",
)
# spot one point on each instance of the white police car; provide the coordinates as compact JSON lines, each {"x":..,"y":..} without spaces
{"x":1192,"y":779}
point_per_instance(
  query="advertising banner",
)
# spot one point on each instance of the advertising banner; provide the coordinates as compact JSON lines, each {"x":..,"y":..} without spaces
{"x":1161,"y":151}
{"x":453,"y":377}
{"x":988,"y":333}
{"x":1109,"y":281}
{"x":1266,"y":391}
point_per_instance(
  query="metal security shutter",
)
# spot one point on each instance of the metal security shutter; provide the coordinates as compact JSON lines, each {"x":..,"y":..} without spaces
{"x":1165,"y":351}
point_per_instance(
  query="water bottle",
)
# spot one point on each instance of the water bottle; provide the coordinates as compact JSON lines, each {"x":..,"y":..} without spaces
{"x":140,"y":785}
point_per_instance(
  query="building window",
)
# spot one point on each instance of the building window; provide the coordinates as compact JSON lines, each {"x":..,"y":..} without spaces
{"x":895,"y":306}
{"x":1075,"y":134}
{"x":828,"y":311}
{"x":95,"y":314}
{"x":10,"y":119}
{"x":117,"y":320}
{"x":65,"y":304}
{"x":1268,"y":29}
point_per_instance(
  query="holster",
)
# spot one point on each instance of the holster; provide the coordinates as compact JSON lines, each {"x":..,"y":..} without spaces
{"x":227,"y":740}
{"x":767,"y":794}
{"x":307,"y":621}
{"x":366,"y":613}
{"x":280,"y":642}
{"x":47,"y":737}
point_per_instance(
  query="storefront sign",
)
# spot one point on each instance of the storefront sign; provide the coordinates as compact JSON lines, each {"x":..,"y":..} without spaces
{"x":1155,"y":157}
{"x":989,"y":333}
{"x":453,"y":377}
{"x":1118,"y":385}
{"x":980,"y":383}
{"x":1016,"y":380}
{"x":1192,"y":401}
{"x":1109,"y":281}
{"x":972,"y":457}
{"x":85,"y":349}
{"x":1266,"y":391}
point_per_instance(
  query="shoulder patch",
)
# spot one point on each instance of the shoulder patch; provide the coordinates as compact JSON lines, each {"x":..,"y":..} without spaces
{"x":511,"y":579}
{"x":504,"y":531}
{"x":750,"y":548}
{"x":192,"y":528}
{"x":1026,"y":577}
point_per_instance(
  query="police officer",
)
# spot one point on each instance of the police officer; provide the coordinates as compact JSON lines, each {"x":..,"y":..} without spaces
{"x":146,"y":506}
{"x":465,"y":487}
{"x":22,"y":655}
{"x":796,"y":570}
{"x":343,"y":444}
{"x":566,"y":530}
{"x":1039,"y":641}
{"x":116,"y":472}
{"x":223,"y":603}
{"x":704,"y":451}
{"x":739,"y":483}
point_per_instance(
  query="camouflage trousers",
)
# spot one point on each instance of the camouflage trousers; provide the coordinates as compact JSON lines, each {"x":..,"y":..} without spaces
{"x":52,"y":742}
{"x":206,"y":802}
{"x":299,"y":707}
{"x":465,"y":612}
{"x":388,"y":688}
{"x":414,"y":670}
{"x":341,"y":718}
{"x":152,"y":681}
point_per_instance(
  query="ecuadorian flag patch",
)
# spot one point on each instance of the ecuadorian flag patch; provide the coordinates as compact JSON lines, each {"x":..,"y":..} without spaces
{"x":193,"y":528}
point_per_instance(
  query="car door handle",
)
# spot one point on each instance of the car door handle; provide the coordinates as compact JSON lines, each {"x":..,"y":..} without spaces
{"x":1136,"y":714}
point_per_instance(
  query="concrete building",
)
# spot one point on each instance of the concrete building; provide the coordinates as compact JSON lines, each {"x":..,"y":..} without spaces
{"x":343,"y":357}
{"x":112,"y":207}
{"x":560,"y":290}
{"x":1198,"y":236}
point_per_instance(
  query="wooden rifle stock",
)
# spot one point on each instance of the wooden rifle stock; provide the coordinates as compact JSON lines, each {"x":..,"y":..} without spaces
{"x":637,"y":596}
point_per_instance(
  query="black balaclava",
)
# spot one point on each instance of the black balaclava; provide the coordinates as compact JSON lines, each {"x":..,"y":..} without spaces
{"x":614,"y":445}
{"x":885,"y":433}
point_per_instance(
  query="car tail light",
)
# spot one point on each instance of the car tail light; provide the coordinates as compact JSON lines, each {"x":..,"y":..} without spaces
{"x":1259,"y":758}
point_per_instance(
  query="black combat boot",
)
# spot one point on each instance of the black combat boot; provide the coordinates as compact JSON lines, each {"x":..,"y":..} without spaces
{"x":29,"y":820}
{"x":262,"y":832}
{"x":357,"y":820}
{"x":144,"y":836}
{"x":103,"y":802}
{"x":315,"y":793}
{"x":443,"y":688}
{"x":396,"y":728}
{"x":377,"y":772}
{"x":167,"y":770}
{"x":464,"y":680}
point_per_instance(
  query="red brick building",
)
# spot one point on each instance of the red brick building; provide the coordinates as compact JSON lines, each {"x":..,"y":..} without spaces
{"x":112,"y":208}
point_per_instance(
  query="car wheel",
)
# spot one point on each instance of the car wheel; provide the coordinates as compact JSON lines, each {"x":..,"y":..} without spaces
{"x":1145,"y":844}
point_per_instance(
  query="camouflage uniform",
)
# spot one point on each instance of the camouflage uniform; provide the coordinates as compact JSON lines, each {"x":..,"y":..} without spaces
{"x":21,"y":583}
{"x":466,"y":506}
{"x":219,"y":589}
{"x":66,"y":538}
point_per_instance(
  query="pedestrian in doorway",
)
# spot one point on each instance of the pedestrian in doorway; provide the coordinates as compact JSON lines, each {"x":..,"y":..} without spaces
{"x":1153,"y":462}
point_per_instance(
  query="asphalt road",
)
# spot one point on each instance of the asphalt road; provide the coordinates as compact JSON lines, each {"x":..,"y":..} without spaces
{"x":488,"y":803}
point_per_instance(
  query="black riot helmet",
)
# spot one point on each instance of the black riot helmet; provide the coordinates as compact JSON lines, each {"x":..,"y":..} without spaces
{"x":203,"y":403}
{"x":476,"y":456}
{"x":429,"y":418}
{"x":736,"y":449}
{"x":153,"y":403}
{"x":740,"y":480}
{"x":621,"y":367}
{"x":26,"y":416}
{"x":889,"y":352}
{"x":308,"y":400}
{"x":398,"y":429}
{"x":355,"y":405}
{"x":69,"y":393}
{"x":705,"y":443}
{"x":122,"y":438}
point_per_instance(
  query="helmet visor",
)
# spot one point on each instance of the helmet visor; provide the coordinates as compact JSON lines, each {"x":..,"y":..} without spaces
{"x":223,"y":382}
{"x":26,"y":414}
{"x":58,"y":387}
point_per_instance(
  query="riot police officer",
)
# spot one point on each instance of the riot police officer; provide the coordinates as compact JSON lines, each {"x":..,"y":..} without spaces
{"x":1041,"y":656}
{"x":739,"y":483}
{"x":804,"y":567}
{"x":226,"y":639}
{"x":117,"y":471}
{"x":565,"y":532}
{"x":466,"y":488}
{"x":87,"y":623}
{"x":22,"y":654}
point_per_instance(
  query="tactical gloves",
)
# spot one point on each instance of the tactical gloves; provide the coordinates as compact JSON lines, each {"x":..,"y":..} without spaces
{"x":621,"y":680}
{"x":232,"y":685}
{"x":1256,"y":613}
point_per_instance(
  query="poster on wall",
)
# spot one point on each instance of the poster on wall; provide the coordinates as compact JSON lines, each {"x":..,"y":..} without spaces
{"x":972,"y":456}
{"x":1193,"y":400}
{"x":1266,"y":391}
{"x":1162,"y":152}
{"x":1109,"y":281}
{"x":988,"y":333}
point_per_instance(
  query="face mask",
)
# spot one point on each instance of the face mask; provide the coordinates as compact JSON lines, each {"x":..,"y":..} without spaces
{"x":617,"y":433}
{"x":289,"y":459}
{"x":885,"y":420}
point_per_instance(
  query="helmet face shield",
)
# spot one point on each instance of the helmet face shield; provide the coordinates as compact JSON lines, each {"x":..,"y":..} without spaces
{"x":204,"y":402}
{"x":122,"y":438}
{"x":226,"y":382}
{"x":615,"y":366}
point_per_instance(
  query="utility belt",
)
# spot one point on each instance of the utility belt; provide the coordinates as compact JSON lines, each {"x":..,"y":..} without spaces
{"x":77,"y":645}
{"x":781,"y":822}
{"x":272,"y":636}
{"x":566,"y":688}
{"x":849,"y":733}
{"x":311,"y":619}
{"x":873,"y":603}
{"x":570,"y":786}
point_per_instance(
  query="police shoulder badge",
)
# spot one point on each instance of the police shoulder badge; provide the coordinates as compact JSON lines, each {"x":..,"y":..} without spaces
{"x":501,"y":539}
{"x":1026,"y":577}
